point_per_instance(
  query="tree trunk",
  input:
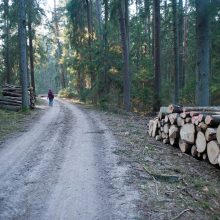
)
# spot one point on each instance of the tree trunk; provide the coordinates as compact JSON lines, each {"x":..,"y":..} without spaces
{"x":148,"y":27}
{"x":6,"y":52}
{"x":176,"y":52}
{"x":99,"y":18}
{"x":203,"y":47}
{"x":105,"y":37}
{"x":125,"y":52}
{"x":59,"y":48}
{"x":23,"y":53}
{"x":90,"y":34}
{"x":126,"y":15}
{"x":181,"y":31}
{"x":31,"y":52}
{"x":185,"y":40}
{"x":157,"y":77}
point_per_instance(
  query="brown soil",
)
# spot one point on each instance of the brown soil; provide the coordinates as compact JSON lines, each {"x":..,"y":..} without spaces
{"x":173,"y":185}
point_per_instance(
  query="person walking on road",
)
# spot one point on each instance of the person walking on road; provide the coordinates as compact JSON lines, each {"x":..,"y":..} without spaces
{"x":50,"y":96}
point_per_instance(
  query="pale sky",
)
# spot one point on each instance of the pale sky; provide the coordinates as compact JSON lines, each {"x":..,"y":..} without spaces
{"x":50,"y":4}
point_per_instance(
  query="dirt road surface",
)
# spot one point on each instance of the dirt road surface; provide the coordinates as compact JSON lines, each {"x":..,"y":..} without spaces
{"x":63,"y":167}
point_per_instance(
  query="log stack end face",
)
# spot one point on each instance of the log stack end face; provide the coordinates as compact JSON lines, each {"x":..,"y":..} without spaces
{"x":195,"y":129}
{"x":213,"y":151}
{"x":187,"y":133}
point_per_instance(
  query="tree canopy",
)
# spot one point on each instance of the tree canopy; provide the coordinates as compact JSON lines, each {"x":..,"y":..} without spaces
{"x":136,"y":55}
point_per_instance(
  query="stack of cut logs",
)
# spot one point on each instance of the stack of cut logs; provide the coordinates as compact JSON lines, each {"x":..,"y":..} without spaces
{"x":12,"y":97}
{"x":195,"y":130}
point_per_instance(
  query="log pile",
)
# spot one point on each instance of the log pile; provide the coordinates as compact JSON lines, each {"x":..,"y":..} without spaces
{"x":195,"y":130}
{"x":12,"y":98}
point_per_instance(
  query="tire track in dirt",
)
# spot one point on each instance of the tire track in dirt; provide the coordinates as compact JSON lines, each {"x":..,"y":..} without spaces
{"x":30,"y":163}
{"x":64,"y":168}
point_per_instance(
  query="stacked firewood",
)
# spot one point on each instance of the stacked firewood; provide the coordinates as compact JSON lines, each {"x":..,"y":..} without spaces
{"x":12,"y":97}
{"x":195,"y":130}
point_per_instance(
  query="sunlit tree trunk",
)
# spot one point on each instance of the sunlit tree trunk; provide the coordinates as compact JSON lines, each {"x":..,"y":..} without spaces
{"x":89,"y":26}
{"x":23,"y":53}
{"x":59,"y":46}
{"x":31,"y":51}
{"x":203,"y":50}
{"x":157,"y":75}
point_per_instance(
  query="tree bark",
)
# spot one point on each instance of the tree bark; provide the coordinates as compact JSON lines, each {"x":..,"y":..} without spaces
{"x":99,"y":18}
{"x":181,"y":32}
{"x":185,"y":40}
{"x":203,"y":50}
{"x":23,"y":53}
{"x":148,"y":26}
{"x":125,"y":52}
{"x":157,"y":77}
{"x":31,"y":51}
{"x":176,"y":52}
{"x":6,"y":41}
{"x":59,"y":48}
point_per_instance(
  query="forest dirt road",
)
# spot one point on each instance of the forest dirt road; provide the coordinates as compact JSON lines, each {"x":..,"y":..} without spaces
{"x":63,"y":167}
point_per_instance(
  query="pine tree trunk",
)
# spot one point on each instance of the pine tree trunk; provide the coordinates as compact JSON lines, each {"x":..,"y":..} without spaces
{"x":89,"y":25}
{"x":203,"y":50}
{"x":124,"y":43}
{"x":6,"y":52}
{"x":59,"y":48}
{"x":181,"y":31}
{"x":23,"y":53}
{"x":157,"y":79}
{"x":176,"y":52}
{"x":105,"y":38}
{"x":148,"y":25}
{"x":185,"y":40}
{"x":99,"y":18}
{"x":31,"y":52}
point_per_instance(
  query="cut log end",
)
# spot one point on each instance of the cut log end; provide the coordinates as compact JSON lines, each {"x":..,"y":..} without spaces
{"x":194,"y":151}
{"x":200,"y":142}
{"x":184,"y":147}
{"x":187,"y":133}
{"x":213,"y":152}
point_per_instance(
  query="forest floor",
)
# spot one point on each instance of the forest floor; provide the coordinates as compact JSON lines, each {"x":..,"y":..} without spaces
{"x":170,"y":184}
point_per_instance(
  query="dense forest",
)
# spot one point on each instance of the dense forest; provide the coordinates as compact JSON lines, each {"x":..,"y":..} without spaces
{"x":136,"y":55}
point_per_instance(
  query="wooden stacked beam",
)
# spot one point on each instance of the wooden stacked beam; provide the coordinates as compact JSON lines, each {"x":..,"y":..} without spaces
{"x":195,"y":130}
{"x":12,"y":98}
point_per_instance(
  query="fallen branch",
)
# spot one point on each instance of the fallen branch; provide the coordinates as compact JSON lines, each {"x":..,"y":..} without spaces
{"x":181,"y":213}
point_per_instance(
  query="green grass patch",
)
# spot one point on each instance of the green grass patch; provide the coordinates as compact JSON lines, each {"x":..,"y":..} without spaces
{"x":9,"y":121}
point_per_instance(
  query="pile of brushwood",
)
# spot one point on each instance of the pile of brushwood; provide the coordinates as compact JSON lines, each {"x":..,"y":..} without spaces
{"x":12,"y":97}
{"x":195,"y":130}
